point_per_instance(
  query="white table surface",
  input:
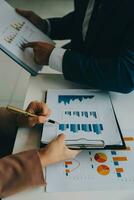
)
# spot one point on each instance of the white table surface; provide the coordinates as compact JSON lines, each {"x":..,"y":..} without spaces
{"x":29,"y":139}
{"x":13,"y":82}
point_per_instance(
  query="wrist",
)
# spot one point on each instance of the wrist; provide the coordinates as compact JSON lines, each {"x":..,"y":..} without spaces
{"x":43,"y":158}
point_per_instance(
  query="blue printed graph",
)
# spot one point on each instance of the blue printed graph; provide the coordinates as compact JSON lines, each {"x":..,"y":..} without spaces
{"x":81,"y":114}
{"x":87,"y":128}
{"x":67,"y":99}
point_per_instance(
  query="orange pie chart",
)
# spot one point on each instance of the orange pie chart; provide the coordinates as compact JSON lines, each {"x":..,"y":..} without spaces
{"x":100,"y":157}
{"x":103,"y":170}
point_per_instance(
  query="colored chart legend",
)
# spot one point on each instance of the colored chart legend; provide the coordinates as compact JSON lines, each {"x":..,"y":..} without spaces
{"x":67,"y":165}
{"x":75,"y":128}
{"x":119,"y":172}
{"x":70,"y":166}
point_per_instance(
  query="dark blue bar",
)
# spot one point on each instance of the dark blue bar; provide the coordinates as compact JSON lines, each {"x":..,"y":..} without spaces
{"x":61,"y":127}
{"x":95,"y":129}
{"x":90,"y":128}
{"x":119,"y":175}
{"x":94,"y":114}
{"x":116,"y":163}
{"x":113,"y":152}
{"x":101,"y":127}
{"x":67,"y":125}
{"x":86,"y":114}
{"x":78,"y":126}
{"x":69,"y":113}
{"x":73,"y":128}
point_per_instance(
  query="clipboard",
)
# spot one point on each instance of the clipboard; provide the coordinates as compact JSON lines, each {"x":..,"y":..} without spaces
{"x":82,"y":142}
{"x":15,"y":31}
{"x":32,"y":70}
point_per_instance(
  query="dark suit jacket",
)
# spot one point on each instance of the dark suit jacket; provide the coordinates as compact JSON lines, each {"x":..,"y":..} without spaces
{"x":105,"y":60}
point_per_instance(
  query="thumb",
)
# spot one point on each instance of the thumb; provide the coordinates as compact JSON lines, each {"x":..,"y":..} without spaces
{"x":61,"y":137}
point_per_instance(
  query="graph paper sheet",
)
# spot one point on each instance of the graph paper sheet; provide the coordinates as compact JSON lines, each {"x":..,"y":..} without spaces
{"x":15,"y":30}
{"x":85,"y":117}
{"x":95,"y":170}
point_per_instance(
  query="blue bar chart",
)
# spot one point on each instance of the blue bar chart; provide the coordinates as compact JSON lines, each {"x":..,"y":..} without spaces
{"x":87,"y":128}
{"x":86,"y":114}
{"x":67,"y":99}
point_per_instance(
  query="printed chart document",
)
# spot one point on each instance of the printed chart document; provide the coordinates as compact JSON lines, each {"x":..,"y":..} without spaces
{"x":95,"y":170}
{"x":86,"y":118}
{"x":15,"y":30}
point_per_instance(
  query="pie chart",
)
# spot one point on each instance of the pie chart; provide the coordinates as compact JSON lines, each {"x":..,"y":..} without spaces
{"x":100,"y":157}
{"x":103,"y":170}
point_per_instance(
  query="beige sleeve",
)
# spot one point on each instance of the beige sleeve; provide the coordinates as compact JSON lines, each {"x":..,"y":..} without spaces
{"x":20,"y":171}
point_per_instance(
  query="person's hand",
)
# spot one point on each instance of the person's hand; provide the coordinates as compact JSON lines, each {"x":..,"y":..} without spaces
{"x":56,"y":151}
{"x":38,"y":108}
{"x":42,"y":51}
{"x":34,"y":19}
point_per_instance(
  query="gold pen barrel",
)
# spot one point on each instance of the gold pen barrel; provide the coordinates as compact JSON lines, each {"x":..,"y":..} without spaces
{"x":18,"y":110}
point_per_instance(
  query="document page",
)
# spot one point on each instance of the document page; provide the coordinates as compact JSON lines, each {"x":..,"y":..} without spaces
{"x":95,"y":170}
{"x":15,"y":30}
{"x":83,"y":116}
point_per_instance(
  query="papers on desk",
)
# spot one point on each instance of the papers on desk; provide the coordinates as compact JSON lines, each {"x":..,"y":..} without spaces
{"x":16,"y":30}
{"x":86,"y":118}
{"x":95,"y":170}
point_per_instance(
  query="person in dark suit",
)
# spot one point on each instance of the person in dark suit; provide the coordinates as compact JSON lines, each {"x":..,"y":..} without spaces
{"x":25,"y":169}
{"x":101,"y":52}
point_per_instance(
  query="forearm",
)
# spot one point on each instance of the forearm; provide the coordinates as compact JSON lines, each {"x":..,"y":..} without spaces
{"x":112,"y":74}
{"x":61,"y":28}
{"x":23,"y":170}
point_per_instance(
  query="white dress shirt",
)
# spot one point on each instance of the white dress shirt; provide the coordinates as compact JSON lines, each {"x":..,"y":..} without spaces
{"x":56,"y":57}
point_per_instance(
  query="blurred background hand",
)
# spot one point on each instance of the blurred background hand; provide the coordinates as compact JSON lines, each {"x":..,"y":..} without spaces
{"x":42,"y":51}
{"x":34,"y":19}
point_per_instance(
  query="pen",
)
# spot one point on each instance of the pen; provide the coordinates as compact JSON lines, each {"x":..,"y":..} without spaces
{"x":28,"y":114}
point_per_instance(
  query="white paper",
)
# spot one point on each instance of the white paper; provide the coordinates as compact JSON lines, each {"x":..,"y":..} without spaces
{"x":83,"y":115}
{"x":16,"y":30}
{"x":94,"y":170}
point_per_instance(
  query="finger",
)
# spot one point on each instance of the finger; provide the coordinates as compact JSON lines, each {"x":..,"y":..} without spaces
{"x":32,"y":121}
{"x":60,"y":138}
{"x":24,"y":13}
{"x":30,"y":45}
{"x":38,"y":108}
{"x":44,"y":109}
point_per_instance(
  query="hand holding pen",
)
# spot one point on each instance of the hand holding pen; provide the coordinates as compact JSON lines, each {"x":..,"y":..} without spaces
{"x":36,"y":113}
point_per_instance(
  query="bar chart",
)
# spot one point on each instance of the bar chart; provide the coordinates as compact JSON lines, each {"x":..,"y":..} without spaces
{"x":10,"y":37}
{"x":68,"y":99}
{"x":18,"y":25}
{"x":86,"y":114}
{"x":117,"y":160}
{"x":87,"y":128}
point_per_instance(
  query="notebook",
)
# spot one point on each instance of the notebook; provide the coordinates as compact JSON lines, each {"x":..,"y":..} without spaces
{"x":16,"y":30}
{"x":86,"y":118}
